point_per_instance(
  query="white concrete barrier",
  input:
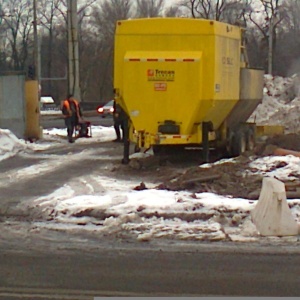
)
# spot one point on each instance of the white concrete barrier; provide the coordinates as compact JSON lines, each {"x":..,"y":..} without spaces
{"x":272,"y":215}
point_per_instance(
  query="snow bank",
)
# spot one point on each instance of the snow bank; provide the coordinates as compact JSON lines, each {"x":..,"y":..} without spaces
{"x":281,"y":103}
{"x":9,"y":144}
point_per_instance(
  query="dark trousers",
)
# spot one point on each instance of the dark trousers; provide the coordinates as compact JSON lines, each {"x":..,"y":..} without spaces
{"x":118,"y":124}
{"x":70,"y":124}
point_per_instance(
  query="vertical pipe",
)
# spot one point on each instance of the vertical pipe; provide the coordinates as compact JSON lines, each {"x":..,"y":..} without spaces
{"x":36,"y":68}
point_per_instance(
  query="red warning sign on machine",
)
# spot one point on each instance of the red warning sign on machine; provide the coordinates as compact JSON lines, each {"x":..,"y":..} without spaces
{"x":160,"y":86}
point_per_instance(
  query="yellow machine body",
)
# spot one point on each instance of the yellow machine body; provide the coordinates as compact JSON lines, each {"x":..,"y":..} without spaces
{"x":173,"y":74}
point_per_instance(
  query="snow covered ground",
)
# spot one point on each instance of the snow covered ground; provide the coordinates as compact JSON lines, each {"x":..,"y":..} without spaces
{"x":151,"y":213}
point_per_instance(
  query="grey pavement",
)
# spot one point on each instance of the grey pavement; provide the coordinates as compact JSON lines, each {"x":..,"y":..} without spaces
{"x":13,"y":192}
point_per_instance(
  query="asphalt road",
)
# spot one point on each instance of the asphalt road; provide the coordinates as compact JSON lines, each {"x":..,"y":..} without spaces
{"x":146,"y":270}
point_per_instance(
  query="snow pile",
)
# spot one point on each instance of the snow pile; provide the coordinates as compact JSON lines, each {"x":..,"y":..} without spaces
{"x":280,"y":105}
{"x":151,"y":214}
{"x":10,"y":145}
{"x":280,"y":87}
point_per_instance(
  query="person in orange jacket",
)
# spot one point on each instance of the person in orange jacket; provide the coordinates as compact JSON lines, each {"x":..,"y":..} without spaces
{"x":72,"y":115}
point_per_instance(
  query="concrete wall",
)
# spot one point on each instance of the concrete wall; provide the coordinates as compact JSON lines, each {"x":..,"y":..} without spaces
{"x":12,"y":104}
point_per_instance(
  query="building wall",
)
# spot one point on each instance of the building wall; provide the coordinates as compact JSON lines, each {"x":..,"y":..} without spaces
{"x":12,"y":104}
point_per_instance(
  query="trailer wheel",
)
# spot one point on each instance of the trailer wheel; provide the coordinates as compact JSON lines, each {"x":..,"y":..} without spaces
{"x":238,"y":144}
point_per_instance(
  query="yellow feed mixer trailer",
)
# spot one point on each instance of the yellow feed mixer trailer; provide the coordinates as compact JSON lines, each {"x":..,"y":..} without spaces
{"x":185,"y":82}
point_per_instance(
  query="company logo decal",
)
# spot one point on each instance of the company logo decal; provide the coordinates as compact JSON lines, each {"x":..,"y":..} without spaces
{"x":160,"y":86}
{"x":160,"y":75}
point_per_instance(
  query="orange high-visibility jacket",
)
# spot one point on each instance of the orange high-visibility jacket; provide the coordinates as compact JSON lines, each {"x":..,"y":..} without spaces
{"x":66,"y":109}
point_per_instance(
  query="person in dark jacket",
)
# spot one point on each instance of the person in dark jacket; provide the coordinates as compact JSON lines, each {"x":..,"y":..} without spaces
{"x":72,"y":115}
{"x":119,"y":116}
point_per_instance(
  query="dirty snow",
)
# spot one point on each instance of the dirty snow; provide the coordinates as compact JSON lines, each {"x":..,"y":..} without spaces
{"x":117,"y":209}
{"x":281,"y":103}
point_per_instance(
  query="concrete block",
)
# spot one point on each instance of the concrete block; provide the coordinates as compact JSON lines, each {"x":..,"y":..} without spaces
{"x":272,"y":215}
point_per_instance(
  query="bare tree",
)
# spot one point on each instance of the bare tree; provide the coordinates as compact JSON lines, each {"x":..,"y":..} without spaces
{"x":292,"y":20}
{"x":108,"y":13}
{"x":288,"y":39}
{"x":267,"y":20}
{"x":235,"y":12}
{"x":219,"y":10}
{"x":18,"y":26}
{"x":261,"y":17}
{"x":53,"y":27}
{"x":3,"y":41}
{"x":149,"y":8}
{"x":173,"y":11}
{"x":49,"y":19}
{"x":101,"y":41}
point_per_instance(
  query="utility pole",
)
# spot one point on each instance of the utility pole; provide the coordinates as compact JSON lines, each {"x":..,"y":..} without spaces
{"x":270,"y":54}
{"x":36,"y":45}
{"x":32,"y":88}
{"x":73,"y":52}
